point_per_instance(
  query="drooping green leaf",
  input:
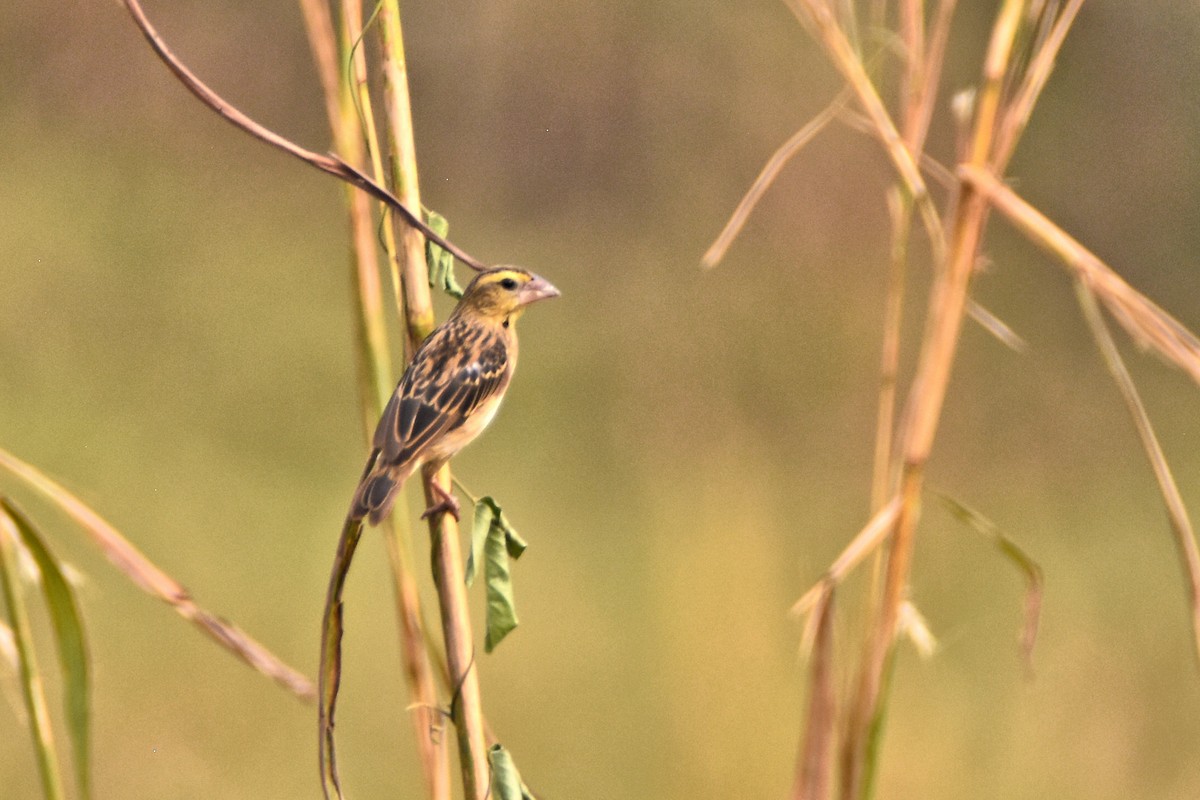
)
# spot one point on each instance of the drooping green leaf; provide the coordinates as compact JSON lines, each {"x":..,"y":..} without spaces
{"x":72,"y":647}
{"x":30,"y":674}
{"x":485,"y":511}
{"x":440,"y":262}
{"x":512,"y":540}
{"x":506,"y":780}
{"x":501,"y":608}
{"x":494,"y":540}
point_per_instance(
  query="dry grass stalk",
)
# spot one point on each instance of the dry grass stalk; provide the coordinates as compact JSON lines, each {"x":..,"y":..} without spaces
{"x":1181,"y":526}
{"x":1025,"y":40}
{"x":947,"y":307}
{"x":862,"y":545}
{"x":330,"y":164}
{"x":466,"y":703}
{"x":1036,"y":74}
{"x":818,"y":16}
{"x":1146,"y":322}
{"x":767,"y":176}
{"x":814,"y":772}
{"x":371,"y":340}
{"x":900,"y":213}
{"x":153,"y":581}
{"x":343,"y":104}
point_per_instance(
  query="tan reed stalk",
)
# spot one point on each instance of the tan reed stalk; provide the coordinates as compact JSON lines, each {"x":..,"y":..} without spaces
{"x":466,"y":704}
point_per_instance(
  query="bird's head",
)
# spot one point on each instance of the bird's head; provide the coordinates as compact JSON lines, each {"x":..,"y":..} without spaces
{"x":499,"y":295}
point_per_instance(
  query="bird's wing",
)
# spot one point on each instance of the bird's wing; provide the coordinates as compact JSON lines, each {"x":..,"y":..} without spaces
{"x":441,"y":388}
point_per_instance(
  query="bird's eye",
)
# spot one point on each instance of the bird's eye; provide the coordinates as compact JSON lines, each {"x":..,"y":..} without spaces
{"x":509,"y":283}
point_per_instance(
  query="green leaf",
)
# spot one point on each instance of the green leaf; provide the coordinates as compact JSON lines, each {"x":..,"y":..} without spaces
{"x":440,"y":262}
{"x":485,"y":510}
{"x":501,"y":609}
{"x":512,"y":540}
{"x":506,"y":780}
{"x":495,"y":540}
{"x":30,"y":674}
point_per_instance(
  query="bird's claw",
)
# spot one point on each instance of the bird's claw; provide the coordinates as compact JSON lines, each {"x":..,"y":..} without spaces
{"x":448,"y":504}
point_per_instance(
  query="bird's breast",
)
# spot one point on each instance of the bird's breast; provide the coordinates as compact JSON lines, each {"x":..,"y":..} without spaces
{"x":464,"y":434}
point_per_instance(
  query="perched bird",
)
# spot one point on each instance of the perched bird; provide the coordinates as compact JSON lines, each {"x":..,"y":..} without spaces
{"x":451,"y":389}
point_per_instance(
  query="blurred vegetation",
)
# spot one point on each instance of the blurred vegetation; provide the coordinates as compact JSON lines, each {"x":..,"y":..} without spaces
{"x":693,"y":448}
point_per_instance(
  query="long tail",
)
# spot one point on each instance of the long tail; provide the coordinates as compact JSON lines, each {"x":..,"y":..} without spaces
{"x":377,"y":490}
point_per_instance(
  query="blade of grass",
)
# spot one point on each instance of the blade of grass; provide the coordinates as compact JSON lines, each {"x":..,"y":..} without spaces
{"x":995,"y":326}
{"x":68,"y":634}
{"x":913,"y":625}
{"x":153,"y":581}
{"x":1181,"y":526}
{"x":1030,"y":570}
{"x":30,"y":674}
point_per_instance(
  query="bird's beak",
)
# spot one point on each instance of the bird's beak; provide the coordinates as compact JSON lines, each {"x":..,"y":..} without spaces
{"x":537,"y":289}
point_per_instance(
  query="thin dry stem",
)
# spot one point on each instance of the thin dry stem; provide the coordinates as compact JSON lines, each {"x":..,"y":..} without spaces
{"x":359,"y":92}
{"x":1181,"y":526}
{"x":153,"y":581}
{"x":318,"y":25}
{"x":466,"y":704}
{"x":940,"y":174}
{"x":862,"y":545}
{"x":375,"y":374}
{"x":330,"y":164}
{"x":1020,"y":109}
{"x":914,"y":83}
{"x":408,"y":259}
{"x":918,"y":117}
{"x":817,"y":14}
{"x":767,"y":176}
{"x":889,"y":367}
{"x":946,"y":311}
{"x":814,"y":772}
{"x":1146,"y":322}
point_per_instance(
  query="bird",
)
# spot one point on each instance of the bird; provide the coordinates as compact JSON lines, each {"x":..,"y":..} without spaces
{"x":450,"y":390}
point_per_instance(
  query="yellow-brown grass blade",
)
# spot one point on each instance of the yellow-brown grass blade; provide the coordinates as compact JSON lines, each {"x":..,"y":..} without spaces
{"x":152,"y":580}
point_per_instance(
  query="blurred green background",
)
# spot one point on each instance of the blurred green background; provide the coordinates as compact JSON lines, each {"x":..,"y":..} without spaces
{"x":684,"y":451}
